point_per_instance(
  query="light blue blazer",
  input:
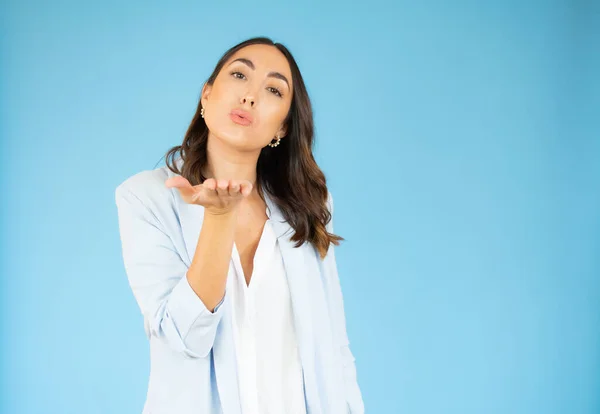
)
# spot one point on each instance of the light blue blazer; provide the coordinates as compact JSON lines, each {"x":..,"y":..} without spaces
{"x":192,"y":356}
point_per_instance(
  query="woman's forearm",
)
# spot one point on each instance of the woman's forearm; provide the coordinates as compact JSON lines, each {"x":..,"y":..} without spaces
{"x":207,"y":274}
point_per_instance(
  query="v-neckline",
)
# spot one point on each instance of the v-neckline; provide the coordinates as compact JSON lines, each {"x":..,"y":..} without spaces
{"x":237,"y":260}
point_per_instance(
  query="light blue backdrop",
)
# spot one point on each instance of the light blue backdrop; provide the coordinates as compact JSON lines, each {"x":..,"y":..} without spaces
{"x":459,"y":142}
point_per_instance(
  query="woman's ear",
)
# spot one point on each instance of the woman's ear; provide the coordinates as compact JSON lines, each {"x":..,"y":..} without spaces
{"x":282,"y":132}
{"x":205,"y":93}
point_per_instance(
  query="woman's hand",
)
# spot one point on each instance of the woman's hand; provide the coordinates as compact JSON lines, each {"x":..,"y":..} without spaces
{"x":216,"y":196}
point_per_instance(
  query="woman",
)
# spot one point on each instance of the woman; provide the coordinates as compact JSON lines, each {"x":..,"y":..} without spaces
{"x":228,"y":253}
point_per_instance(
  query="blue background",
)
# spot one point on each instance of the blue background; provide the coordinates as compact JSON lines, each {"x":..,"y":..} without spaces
{"x":461,"y":143}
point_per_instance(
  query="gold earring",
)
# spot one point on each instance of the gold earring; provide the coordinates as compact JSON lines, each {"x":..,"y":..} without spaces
{"x":274,"y":144}
{"x":202,"y":112}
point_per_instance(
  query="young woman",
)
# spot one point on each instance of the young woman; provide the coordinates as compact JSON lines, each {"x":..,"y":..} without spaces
{"x":229,"y":253}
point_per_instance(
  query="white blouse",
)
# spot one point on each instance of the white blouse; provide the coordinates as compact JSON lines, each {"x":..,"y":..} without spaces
{"x":269,"y":368}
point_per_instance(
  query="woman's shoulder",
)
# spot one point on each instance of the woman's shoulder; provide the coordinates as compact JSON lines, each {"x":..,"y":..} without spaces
{"x":148,"y":186}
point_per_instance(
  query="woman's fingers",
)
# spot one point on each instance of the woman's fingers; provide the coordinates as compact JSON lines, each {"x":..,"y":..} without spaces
{"x":219,"y":194}
{"x":207,"y":189}
{"x":223,"y":188}
{"x":234,"y":188}
{"x":245,"y":188}
{"x":210,"y":184}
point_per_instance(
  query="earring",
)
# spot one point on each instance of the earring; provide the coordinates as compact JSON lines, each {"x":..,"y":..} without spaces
{"x":274,"y":144}
{"x":202,"y":112}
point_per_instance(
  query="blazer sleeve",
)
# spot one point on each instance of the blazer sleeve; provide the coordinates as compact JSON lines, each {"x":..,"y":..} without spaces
{"x":172,"y":311}
{"x":351,"y":387}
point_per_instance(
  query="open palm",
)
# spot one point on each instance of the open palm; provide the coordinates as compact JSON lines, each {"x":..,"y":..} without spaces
{"x":217,"y":196}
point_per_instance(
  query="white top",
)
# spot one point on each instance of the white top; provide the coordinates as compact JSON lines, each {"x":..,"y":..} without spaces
{"x":269,"y":368}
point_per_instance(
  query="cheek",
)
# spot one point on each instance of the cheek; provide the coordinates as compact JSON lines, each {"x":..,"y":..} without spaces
{"x":274,"y":114}
{"x":225,"y":92}
{"x":219,"y":105}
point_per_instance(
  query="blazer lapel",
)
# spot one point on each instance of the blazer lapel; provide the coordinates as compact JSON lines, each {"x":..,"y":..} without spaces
{"x":311,"y":316}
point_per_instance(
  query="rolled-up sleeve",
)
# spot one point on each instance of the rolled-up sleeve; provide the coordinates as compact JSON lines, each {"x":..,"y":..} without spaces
{"x":351,"y":388}
{"x":172,"y":311}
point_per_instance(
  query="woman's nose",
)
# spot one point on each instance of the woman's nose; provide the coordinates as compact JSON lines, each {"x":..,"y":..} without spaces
{"x":248,"y":99}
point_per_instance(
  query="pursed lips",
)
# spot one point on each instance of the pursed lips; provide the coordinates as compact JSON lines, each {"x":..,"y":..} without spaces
{"x":242,"y":117}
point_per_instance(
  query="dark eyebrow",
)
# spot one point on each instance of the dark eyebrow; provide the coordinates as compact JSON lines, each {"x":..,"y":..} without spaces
{"x":249,"y":63}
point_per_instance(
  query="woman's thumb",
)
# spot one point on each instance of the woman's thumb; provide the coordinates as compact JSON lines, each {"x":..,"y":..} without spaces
{"x":178,"y":182}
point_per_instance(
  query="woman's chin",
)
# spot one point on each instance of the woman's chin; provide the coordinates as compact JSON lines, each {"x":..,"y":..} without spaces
{"x":238,"y":140}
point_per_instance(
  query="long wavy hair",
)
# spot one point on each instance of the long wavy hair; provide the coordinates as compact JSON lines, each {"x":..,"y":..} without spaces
{"x":288,"y":172}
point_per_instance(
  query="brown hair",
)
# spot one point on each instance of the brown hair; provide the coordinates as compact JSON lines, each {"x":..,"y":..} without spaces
{"x":288,"y":172}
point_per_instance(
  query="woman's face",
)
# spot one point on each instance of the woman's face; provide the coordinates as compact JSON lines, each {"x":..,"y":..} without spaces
{"x":256,"y":80}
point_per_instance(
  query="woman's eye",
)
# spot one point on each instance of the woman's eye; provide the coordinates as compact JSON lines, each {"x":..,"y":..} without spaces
{"x":275,"y":91}
{"x":240,"y":75}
